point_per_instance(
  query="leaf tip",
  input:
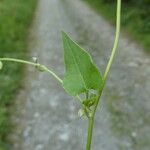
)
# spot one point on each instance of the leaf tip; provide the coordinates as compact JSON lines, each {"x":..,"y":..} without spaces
{"x":63,"y":33}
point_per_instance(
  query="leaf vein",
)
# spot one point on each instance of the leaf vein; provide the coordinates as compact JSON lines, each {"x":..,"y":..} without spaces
{"x":76,"y":63}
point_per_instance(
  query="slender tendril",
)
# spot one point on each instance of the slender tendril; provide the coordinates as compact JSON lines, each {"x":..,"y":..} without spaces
{"x":118,"y":13}
{"x":33,"y":64}
{"x":91,"y":119}
{"x":44,"y":68}
{"x":118,"y":18}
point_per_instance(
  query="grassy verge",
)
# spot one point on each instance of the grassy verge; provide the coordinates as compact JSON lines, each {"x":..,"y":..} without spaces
{"x":135,"y":18}
{"x":15,"y":18}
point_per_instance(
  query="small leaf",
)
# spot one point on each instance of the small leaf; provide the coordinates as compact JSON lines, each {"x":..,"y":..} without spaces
{"x":81,"y":73}
{"x":91,"y":101}
{"x":1,"y":65}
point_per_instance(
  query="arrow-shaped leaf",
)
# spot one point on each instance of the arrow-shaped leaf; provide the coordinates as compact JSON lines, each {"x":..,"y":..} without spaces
{"x":81,"y":73}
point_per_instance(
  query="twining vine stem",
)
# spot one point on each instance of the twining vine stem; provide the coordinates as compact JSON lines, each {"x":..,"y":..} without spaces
{"x":33,"y":64}
{"x":91,"y":119}
{"x":44,"y":68}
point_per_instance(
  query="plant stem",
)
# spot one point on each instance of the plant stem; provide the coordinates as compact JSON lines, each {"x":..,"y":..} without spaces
{"x":91,"y":119}
{"x":118,"y":18}
{"x":90,"y":132}
{"x":19,"y":61}
{"x":118,"y":15}
{"x":33,"y":64}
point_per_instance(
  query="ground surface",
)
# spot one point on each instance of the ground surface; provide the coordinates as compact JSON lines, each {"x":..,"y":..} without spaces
{"x":46,"y":117}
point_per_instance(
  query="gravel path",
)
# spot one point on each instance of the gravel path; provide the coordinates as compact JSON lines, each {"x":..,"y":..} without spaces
{"x":46,"y":117}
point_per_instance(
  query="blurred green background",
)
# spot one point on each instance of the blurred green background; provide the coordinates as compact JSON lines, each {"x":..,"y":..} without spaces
{"x":15,"y":18}
{"x":135,"y":17}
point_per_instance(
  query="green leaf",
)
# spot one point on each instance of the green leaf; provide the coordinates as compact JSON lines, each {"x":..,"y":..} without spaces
{"x":1,"y":65}
{"x":89,"y":102}
{"x":82,"y":74}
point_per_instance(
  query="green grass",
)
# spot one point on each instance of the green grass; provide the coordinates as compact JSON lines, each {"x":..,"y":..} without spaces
{"x":15,"y":18}
{"x":135,"y":18}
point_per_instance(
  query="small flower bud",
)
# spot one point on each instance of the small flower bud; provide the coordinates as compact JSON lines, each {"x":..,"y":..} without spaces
{"x":34,"y":59}
{"x":41,"y":67}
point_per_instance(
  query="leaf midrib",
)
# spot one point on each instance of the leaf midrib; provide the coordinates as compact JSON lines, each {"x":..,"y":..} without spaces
{"x":76,"y":64}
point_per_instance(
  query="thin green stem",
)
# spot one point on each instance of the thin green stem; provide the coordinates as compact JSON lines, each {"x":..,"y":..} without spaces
{"x":36,"y":65}
{"x":91,"y":119}
{"x":33,"y":64}
{"x":54,"y":75}
{"x":118,"y":14}
{"x":90,"y":132}
{"x":19,"y":61}
{"x":118,"y":18}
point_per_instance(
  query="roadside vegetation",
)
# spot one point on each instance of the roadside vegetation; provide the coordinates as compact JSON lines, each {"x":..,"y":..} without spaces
{"x":15,"y":18}
{"x":135,"y":17}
